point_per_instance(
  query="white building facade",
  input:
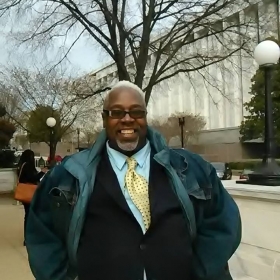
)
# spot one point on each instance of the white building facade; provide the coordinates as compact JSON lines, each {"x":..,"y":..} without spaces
{"x":217,"y":93}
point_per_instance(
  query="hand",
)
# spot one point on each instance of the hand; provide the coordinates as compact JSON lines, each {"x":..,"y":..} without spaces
{"x":44,"y":169}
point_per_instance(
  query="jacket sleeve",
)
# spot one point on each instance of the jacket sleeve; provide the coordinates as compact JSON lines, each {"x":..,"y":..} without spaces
{"x":46,"y":251}
{"x":218,"y":233}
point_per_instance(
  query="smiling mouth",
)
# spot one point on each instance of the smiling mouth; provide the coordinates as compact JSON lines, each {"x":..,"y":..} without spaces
{"x":127,"y":133}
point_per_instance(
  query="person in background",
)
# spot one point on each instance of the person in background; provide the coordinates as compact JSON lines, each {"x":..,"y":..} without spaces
{"x":28,"y":173}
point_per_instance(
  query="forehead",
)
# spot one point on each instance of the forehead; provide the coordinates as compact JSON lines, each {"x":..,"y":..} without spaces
{"x":125,"y":97}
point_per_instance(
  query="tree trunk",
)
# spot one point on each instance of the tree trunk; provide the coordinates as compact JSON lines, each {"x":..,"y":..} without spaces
{"x":148,"y":94}
{"x":123,"y":75}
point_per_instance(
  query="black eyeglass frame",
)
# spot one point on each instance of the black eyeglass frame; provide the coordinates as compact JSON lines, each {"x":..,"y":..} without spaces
{"x":125,"y":112}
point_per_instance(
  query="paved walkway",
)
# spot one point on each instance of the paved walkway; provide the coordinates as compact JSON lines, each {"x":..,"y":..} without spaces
{"x":13,"y":256}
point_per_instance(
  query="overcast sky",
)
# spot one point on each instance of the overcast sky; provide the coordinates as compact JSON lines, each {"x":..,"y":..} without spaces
{"x":85,"y":56}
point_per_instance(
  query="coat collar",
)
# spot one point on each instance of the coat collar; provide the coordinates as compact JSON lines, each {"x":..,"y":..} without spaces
{"x":163,"y":153}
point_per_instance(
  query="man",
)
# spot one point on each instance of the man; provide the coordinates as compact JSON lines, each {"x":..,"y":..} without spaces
{"x":130,"y":208}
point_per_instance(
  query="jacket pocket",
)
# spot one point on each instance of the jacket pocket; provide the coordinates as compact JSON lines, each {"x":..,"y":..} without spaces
{"x":197,"y":185}
{"x":62,"y":203}
{"x":201,"y":194}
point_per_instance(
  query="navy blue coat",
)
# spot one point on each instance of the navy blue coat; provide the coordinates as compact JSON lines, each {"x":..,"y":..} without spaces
{"x":58,"y":211}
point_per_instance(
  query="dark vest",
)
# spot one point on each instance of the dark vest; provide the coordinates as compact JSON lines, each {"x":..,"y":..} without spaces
{"x":112,"y":244}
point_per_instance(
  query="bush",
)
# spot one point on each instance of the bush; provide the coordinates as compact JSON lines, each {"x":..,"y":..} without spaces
{"x":7,"y":158}
{"x":246,"y":164}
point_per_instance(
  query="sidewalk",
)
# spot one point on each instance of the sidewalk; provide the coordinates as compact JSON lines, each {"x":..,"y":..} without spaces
{"x":13,"y":256}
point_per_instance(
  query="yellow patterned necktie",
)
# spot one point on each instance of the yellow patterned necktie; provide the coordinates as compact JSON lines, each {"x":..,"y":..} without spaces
{"x":138,"y":190}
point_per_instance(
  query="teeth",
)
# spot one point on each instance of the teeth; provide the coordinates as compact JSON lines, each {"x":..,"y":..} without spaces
{"x":127,"y":131}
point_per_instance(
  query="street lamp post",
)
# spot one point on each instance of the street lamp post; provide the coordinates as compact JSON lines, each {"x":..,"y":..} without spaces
{"x":2,"y":111}
{"x":267,"y":54}
{"x":78,"y":132}
{"x":182,"y":124}
{"x":51,"y":122}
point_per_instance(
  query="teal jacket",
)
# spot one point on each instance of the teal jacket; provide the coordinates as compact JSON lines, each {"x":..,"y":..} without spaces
{"x":58,"y":210}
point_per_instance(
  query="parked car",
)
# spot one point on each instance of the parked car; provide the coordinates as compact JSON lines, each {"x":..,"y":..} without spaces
{"x":244,"y":174}
{"x":224,"y":172}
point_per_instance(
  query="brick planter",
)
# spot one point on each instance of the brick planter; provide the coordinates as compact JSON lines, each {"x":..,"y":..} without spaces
{"x":8,"y":180}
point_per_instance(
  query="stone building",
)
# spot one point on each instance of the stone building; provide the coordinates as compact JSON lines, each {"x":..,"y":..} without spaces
{"x":219,"y":97}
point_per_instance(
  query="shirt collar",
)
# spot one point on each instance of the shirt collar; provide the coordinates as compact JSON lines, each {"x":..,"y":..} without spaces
{"x":119,"y":159}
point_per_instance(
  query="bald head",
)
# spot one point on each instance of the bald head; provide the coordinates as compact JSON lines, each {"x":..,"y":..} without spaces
{"x":128,"y":87}
{"x":131,"y":92}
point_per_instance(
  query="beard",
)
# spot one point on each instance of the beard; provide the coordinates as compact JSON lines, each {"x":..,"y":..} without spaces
{"x":128,"y":146}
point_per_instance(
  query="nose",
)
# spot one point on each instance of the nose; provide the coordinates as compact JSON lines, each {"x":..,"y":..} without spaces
{"x":127,"y":118}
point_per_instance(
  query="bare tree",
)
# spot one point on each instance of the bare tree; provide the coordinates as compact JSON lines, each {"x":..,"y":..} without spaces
{"x":161,"y":126}
{"x":170,"y":128}
{"x":90,"y":135}
{"x":149,"y":41}
{"x":42,"y":94}
{"x":21,"y":140}
{"x":10,"y":103}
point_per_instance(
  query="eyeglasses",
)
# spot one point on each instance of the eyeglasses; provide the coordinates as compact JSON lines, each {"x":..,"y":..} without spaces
{"x":120,"y":114}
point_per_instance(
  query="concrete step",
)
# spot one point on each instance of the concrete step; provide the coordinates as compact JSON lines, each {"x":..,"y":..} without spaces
{"x":242,"y":277}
